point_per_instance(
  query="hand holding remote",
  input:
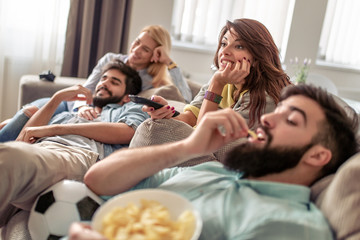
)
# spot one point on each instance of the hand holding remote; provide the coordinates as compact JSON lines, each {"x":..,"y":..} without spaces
{"x":148,"y":102}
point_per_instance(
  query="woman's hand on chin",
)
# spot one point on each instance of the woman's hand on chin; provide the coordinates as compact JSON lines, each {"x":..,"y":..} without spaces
{"x":233,"y":73}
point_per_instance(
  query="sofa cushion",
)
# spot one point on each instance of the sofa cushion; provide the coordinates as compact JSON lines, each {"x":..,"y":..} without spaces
{"x":17,"y":227}
{"x":159,"y":131}
{"x":32,"y":88}
{"x":169,"y":92}
{"x":338,"y":197}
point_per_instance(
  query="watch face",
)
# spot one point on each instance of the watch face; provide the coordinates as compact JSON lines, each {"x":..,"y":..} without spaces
{"x":172,"y":65}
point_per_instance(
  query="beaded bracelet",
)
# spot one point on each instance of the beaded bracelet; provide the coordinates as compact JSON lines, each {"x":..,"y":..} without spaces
{"x":213,"y":97}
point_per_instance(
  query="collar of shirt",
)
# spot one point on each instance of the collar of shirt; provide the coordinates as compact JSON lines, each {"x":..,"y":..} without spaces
{"x":292,"y":192}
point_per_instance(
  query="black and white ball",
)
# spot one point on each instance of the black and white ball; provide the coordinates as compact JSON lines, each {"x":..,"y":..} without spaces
{"x":60,"y":205}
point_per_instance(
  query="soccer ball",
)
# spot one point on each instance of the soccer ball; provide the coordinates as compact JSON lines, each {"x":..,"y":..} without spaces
{"x":58,"y":206}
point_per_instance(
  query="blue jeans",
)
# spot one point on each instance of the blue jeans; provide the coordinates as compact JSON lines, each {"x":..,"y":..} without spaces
{"x":14,"y":127}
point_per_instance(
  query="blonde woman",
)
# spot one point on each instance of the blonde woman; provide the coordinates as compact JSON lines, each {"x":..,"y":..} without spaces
{"x":149,"y":55}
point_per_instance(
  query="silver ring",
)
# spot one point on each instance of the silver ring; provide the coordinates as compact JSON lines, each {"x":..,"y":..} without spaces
{"x":222,"y":130}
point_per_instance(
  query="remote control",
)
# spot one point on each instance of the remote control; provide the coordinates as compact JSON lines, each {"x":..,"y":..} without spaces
{"x":148,"y":102}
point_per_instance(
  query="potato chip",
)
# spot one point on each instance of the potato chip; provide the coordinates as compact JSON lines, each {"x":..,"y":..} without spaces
{"x":252,"y":134}
{"x":148,"y":221}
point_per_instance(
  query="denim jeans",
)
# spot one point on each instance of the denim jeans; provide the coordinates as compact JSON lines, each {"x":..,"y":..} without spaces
{"x":14,"y":127}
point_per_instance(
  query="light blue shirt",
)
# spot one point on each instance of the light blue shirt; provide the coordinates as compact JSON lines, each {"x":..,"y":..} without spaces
{"x":129,"y":113}
{"x":236,"y":208}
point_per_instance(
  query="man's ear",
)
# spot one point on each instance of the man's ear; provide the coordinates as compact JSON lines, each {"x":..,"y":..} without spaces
{"x":126,"y":98}
{"x":318,"y":156}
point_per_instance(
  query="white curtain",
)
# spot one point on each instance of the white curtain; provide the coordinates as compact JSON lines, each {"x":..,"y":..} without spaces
{"x":200,"y":21}
{"x":340,"y":37}
{"x":32,"y":35}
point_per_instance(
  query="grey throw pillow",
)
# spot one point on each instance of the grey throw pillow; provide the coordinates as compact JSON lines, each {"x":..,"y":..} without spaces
{"x":155,"y":132}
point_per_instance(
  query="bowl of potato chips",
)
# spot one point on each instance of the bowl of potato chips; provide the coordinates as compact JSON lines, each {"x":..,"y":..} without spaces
{"x":148,"y":214}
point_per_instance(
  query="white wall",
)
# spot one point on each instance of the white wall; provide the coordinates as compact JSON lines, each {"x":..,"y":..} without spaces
{"x":12,"y":70}
{"x":303,"y":42}
{"x":146,"y":12}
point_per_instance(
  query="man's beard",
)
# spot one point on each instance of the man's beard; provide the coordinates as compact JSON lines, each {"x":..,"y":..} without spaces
{"x":101,"y":101}
{"x":257,"y":162}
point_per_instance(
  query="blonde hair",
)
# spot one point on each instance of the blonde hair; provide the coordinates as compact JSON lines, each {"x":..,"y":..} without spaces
{"x":159,"y":71}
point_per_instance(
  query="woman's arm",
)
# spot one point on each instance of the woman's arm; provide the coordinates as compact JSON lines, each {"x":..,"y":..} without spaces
{"x":181,"y":83}
{"x":216,"y":87}
{"x":160,"y":55}
{"x":232,"y":74}
{"x":168,"y":111}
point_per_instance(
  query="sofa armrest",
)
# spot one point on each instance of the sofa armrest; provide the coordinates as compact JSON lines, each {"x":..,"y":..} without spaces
{"x":32,"y":88}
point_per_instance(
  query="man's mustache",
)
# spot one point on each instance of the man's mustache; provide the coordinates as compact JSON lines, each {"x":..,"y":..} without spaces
{"x":106,"y":89}
{"x":269,"y":136}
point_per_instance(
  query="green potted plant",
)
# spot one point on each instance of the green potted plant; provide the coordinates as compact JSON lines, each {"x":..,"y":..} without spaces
{"x":301,"y":69}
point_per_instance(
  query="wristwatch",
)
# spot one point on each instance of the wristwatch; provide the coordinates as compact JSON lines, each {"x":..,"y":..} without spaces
{"x":172,"y":65}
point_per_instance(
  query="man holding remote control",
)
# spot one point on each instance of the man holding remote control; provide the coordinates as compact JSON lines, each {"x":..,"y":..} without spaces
{"x":67,"y":146}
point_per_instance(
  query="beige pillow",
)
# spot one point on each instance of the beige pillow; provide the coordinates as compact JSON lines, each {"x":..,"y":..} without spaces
{"x":155,"y":132}
{"x":338,"y":197}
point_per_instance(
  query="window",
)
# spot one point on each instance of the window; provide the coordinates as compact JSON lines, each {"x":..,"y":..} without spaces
{"x":198,"y":22}
{"x":340,"y":37}
{"x":34,"y":30}
{"x":32,"y":37}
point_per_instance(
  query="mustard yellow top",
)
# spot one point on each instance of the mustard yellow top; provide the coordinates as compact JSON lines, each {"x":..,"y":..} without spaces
{"x":227,"y":100}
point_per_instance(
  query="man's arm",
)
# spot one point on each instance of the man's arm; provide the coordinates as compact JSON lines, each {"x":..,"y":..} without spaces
{"x":125,"y":168}
{"x":105,"y":132}
{"x":44,"y":114}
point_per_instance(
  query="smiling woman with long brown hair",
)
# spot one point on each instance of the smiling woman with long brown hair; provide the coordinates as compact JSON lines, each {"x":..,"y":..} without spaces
{"x":249,"y":76}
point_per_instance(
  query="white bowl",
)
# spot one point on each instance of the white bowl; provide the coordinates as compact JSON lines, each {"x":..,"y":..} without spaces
{"x":175,"y":203}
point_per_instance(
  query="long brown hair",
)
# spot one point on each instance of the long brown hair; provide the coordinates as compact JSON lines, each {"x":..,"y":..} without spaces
{"x":266,"y":74}
{"x":159,"y":71}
